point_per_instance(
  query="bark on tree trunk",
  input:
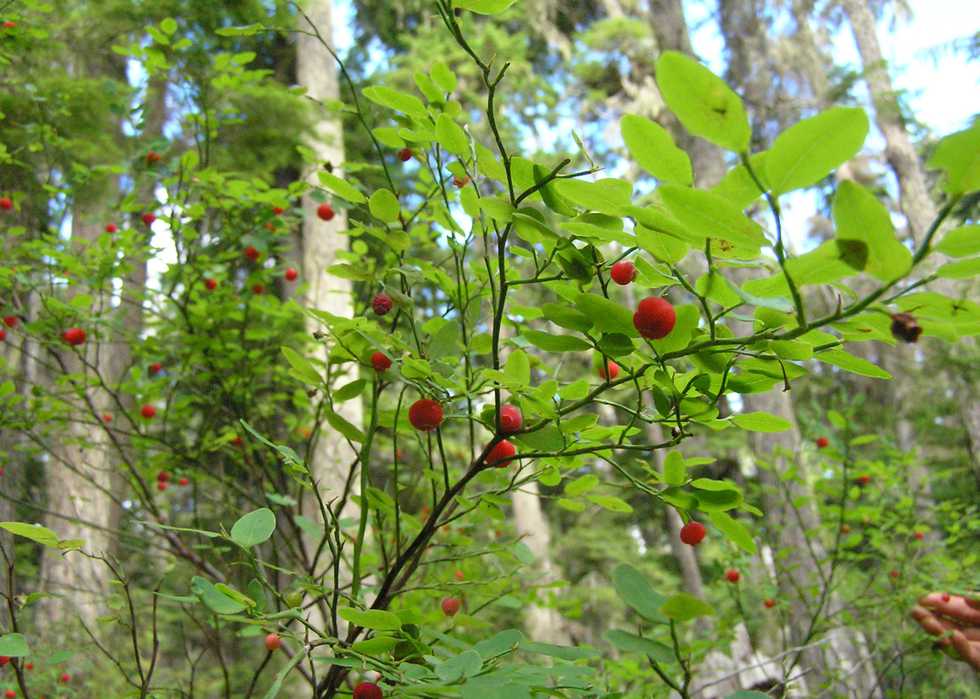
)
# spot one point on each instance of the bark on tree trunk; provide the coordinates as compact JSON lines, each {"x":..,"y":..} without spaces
{"x":919,"y":211}
{"x":79,"y":478}
{"x":331,"y":457}
{"x":542,"y":624}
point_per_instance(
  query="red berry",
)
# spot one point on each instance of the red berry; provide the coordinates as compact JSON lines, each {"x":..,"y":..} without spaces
{"x":459,"y":575}
{"x":29,"y":666}
{"x":152,"y":157}
{"x":3,"y":334}
{"x":273,"y":642}
{"x":4,"y":660}
{"x":732,"y":575}
{"x":405,"y":154}
{"x":919,"y":536}
{"x":65,"y":678}
{"x":6,"y":203}
{"x":162,"y":485}
{"x":238,"y":441}
{"x":73,"y":336}
{"x":148,"y":411}
{"x":425,"y":414}
{"x":290,"y":274}
{"x":368,"y":690}
{"x":769,"y":602}
{"x":9,"y":24}
{"x":822,"y":442}
{"x":148,"y":218}
{"x":461,"y":181}
{"x":252,"y":253}
{"x":654,"y":318}
{"x":183,"y":482}
{"x":10,"y":321}
{"x":450,"y":606}
{"x":163,"y":476}
{"x":863,"y":479}
{"x":107,"y":418}
{"x":211,"y":283}
{"x":155,"y":368}
{"x":610,"y":371}
{"x":325,"y":212}
{"x":945,"y":597}
{"x":501,"y":454}
{"x":380,"y":361}
{"x":623,"y":272}
{"x":893,"y":574}
{"x":110,"y":228}
{"x":692,"y":533}
{"x":258,"y":289}
{"x":277,"y":210}
{"x":381,"y":303}
{"x":10,"y":694}
{"x":510,"y":419}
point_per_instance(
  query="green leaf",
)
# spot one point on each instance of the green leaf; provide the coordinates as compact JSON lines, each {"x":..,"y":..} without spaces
{"x":734,"y":530}
{"x":684,"y":607}
{"x":581,"y":485}
{"x":631,"y":643}
{"x":234,"y":594}
{"x":675,"y":472}
{"x":305,"y":371}
{"x":606,"y":315}
{"x":703,"y":103}
{"x":444,"y":78}
{"x":13,"y":645}
{"x":341,"y":188}
{"x":254,"y":528}
{"x":465,"y":664}
{"x":810,"y":150}
{"x":859,"y":216}
{"x":351,"y":390}
{"x":611,"y":503}
{"x":635,"y":590}
{"x":958,"y":155}
{"x":855,"y":365}
{"x":555,"y":343}
{"x":653,"y":149}
{"x":960,"y":242}
{"x":377,"y":619}
{"x":709,"y":215}
{"x":396,"y":99}
{"x":384,"y":206}
{"x":518,"y":369}
{"x":713,"y":485}
{"x":451,"y":136}
{"x":718,"y":500}
{"x":500,"y":643}
{"x":608,"y":196}
{"x":961,"y":269}
{"x":34,"y":532}
{"x":497,"y":209}
{"x":344,"y":426}
{"x":564,"y":652}
{"x":484,"y":7}
{"x":213,"y":599}
{"x":761,"y":422}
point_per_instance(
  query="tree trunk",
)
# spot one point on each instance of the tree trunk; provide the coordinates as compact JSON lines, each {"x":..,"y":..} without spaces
{"x":79,"y":478}
{"x":331,"y":458}
{"x":919,"y":211}
{"x":542,"y":624}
